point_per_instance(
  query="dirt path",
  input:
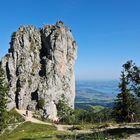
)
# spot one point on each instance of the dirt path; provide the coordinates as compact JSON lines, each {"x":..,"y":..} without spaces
{"x":59,"y":126}
{"x":34,"y":120}
{"x":66,"y":127}
{"x":30,"y":117}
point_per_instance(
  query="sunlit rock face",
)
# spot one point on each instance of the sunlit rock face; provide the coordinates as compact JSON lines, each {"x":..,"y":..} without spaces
{"x":40,"y":65}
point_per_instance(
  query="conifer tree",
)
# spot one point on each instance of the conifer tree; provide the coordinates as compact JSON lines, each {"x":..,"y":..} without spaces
{"x":3,"y":100}
{"x":126,"y":102}
{"x":133,"y":74}
{"x":64,"y":112}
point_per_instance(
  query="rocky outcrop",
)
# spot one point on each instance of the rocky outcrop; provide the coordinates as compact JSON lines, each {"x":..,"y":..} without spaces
{"x":40,"y":65}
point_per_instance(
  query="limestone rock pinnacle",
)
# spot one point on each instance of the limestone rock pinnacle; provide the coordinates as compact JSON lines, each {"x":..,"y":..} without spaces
{"x":40,"y":64}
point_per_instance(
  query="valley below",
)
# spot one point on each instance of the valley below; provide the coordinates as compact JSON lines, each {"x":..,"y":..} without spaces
{"x":92,"y":93}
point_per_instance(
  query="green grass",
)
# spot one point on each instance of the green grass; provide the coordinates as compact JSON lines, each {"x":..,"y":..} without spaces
{"x":14,"y":117}
{"x":112,"y":134}
{"x":32,"y":131}
{"x":85,"y":126}
{"x":94,"y":136}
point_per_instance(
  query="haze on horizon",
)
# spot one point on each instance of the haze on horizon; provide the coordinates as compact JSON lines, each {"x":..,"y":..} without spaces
{"x":107,"y":32}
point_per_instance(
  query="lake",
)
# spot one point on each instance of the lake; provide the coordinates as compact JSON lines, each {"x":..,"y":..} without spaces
{"x":96,"y":92}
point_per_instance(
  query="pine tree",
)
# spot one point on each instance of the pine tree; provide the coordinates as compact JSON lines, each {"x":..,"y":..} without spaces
{"x":64,"y":112}
{"x":126,"y":102}
{"x":3,"y":100}
{"x":133,"y":73}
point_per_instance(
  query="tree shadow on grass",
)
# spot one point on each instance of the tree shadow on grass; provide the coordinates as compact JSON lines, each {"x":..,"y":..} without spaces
{"x":122,"y":132}
{"x":111,"y":133}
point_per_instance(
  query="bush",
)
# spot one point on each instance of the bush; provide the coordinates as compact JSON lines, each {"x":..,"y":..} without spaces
{"x":65,"y":113}
{"x":90,"y":116}
{"x":3,"y":99}
{"x":14,"y":117}
{"x":41,"y":103}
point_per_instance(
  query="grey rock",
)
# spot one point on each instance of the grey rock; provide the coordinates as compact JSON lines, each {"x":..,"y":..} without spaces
{"x":40,"y":64}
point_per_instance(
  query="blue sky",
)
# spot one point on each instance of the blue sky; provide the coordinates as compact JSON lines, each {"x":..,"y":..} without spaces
{"x":107,"y":31}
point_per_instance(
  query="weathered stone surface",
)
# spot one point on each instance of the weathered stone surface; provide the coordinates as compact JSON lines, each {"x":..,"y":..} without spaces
{"x":40,"y":64}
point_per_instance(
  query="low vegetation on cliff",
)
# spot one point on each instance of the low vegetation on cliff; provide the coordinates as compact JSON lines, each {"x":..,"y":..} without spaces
{"x":3,"y":100}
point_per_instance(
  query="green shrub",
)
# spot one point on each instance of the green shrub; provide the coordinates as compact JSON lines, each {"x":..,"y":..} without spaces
{"x":3,"y":99}
{"x":65,"y":113}
{"x":90,"y":116}
{"x":7,"y":56}
{"x":41,"y":103}
{"x":14,"y":117}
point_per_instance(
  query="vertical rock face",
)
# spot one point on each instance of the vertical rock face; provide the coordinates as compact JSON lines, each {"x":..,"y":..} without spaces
{"x":40,"y":65}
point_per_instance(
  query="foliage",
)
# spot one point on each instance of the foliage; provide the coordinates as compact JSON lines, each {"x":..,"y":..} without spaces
{"x":108,"y":134}
{"x":65,"y":113}
{"x":14,"y":117}
{"x":31,"y":131}
{"x":93,"y":136}
{"x":125,"y":104}
{"x":41,"y":103}
{"x":7,"y":55}
{"x":13,"y":35}
{"x":3,"y":100}
{"x":133,"y":74}
{"x":78,"y":113}
{"x":104,"y":115}
{"x":98,"y":108}
{"x":91,"y":116}
{"x":137,"y":112}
